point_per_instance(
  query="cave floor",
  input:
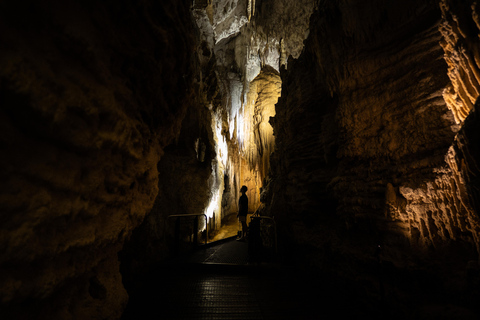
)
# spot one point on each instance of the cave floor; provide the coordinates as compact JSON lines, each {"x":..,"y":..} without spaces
{"x":219,"y":281}
{"x":230,"y":227}
{"x":222,"y":281}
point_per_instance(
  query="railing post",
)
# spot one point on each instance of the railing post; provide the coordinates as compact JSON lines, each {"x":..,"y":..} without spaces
{"x":195,"y":231}
{"x":254,"y":240}
{"x":206,"y":229}
{"x":176,"y":240}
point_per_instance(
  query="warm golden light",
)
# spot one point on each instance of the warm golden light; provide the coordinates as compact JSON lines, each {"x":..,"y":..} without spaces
{"x":248,"y":128}
{"x":259,"y":140}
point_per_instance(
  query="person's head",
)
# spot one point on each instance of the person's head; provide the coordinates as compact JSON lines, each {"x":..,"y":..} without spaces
{"x":243,"y":189}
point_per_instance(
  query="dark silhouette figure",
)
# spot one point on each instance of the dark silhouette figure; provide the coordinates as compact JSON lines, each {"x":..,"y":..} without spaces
{"x":243,"y":211}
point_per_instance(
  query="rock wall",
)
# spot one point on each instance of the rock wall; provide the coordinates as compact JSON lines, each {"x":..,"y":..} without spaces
{"x":259,"y":141}
{"x":367,"y":151}
{"x":90,"y":95}
{"x":188,"y":178}
{"x":459,"y":27}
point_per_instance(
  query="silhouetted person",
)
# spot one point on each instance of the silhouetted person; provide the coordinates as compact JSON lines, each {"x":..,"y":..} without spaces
{"x":243,"y":211}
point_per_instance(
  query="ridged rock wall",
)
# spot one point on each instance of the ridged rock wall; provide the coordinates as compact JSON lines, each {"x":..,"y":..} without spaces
{"x":460,"y":26}
{"x":86,"y":109}
{"x":366,"y":159}
{"x":461,"y":42}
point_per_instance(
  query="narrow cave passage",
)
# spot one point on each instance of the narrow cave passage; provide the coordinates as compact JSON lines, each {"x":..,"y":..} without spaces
{"x":228,"y":288}
{"x":127,"y":129}
{"x":224,"y":279}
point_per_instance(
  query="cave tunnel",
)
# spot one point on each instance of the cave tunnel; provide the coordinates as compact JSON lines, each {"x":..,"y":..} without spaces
{"x":129,"y":127}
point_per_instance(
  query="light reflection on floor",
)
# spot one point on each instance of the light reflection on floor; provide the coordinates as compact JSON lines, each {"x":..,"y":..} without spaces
{"x":229,"y":229}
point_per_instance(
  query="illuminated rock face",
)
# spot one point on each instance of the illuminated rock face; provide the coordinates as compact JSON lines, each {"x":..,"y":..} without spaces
{"x":250,"y":40}
{"x":460,"y":26}
{"x":286,"y":21}
{"x":368,"y":151}
{"x":259,"y":141}
{"x":261,"y":99}
{"x":86,"y":110}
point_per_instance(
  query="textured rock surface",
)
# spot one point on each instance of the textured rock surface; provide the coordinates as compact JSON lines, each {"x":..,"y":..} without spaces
{"x":285,"y":20}
{"x":460,"y":27}
{"x":259,"y":141}
{"x":367,"y":151}
{"x":187,"y":177}
{"x":86,"y":110}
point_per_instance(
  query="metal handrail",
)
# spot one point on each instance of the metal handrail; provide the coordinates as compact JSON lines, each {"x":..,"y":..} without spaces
{"x":274,"y":227}
{"x":189,"y":215}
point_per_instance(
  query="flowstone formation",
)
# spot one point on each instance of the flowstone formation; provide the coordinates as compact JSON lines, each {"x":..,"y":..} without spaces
{"x":86,"y":111}
{"x":373,"y":159}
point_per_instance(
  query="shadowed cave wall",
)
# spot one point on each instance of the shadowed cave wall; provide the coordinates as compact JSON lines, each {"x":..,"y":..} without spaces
{"x":371,"y":161}
{"x":90,"y":95}
{"x":107,"y":111}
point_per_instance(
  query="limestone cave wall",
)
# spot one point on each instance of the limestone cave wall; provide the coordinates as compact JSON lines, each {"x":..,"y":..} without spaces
{"x":459,"y":28}
{"x":461,"y":42}
{"x":369,"y":131}
{"x":188,"y":179}
{"x":90,"y":95}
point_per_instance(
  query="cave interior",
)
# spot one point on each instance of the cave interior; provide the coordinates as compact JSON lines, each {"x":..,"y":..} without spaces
{"x":128,"y":129}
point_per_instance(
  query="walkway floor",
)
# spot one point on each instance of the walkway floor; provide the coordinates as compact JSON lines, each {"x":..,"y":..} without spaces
{"x":218,"y":282}
{"x":228,"y":229}
{"x":228,"y":252}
